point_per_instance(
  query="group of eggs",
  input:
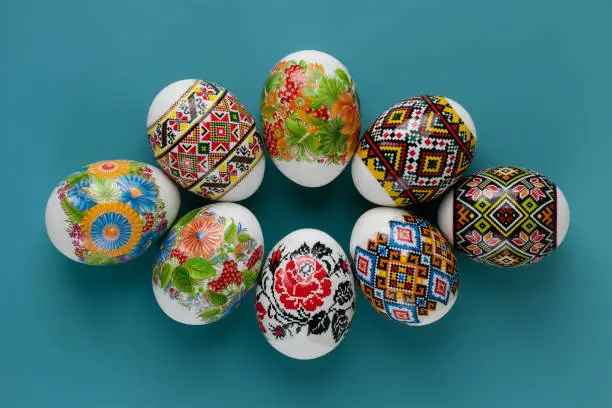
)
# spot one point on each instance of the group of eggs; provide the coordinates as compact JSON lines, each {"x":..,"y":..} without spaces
{"x":206,"y":141}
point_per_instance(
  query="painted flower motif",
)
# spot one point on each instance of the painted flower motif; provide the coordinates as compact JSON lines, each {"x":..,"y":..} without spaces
{"x":111,"y":229}
{"x":202,"y":236}
{"x":535,"y":239}
{"x":76,"y":232}
{"x":283,"y":149}
{"x":79,"y":196}
{"x":346,"y":109}
{"x":111,"y":168}
{"x":104,"y":189}
{"x":145,"y":242}
{"x":303,"y":283}
{"x":166,"y":247}
{"x":138,"y":192}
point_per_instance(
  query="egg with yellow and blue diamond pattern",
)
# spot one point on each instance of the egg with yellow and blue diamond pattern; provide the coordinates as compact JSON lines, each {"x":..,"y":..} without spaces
{"x":110,"y":211}
{"x":404,"y":266}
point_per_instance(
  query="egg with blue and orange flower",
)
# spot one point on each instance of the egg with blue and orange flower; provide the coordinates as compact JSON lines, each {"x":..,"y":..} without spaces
{"x":110,"y":211}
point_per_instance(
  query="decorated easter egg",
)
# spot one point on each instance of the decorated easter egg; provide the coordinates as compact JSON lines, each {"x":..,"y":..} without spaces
{"x":310,"y":117}
{"x":110,"y":211}
{"x":208,"y":262}
{"x":414,"y":151}
{"x":206,"y":140}
{"x":306,"y":297}
{"x":505,"y":216}
{"x":405,"y":267}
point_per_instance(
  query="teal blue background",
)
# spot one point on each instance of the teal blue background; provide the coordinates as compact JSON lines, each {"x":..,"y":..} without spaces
{"x":77,"y":80}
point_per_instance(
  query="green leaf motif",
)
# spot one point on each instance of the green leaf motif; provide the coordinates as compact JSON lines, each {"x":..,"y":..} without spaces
{"x":199,"y":268}
{"x":104,"y":189}
{"x":243,"y":237}
{"x":344,"y":78}
{"x":269,"y":110}
{"x":230,"y":232}
{"x":100,"y":259}
{"x":250,"y":278}
{"x":76,"y":177}
{"x":273,"y":82}
{"x":74,"y":216}
{"x":296,"y":127}
{"x":332,"y":139}
{"x":187,"y":218}
{"x":166,"y":274}
{"x":181,"y":280}
{"x":328,"y":91}
{"x":217,"y":299}
{"x":209,"y":313}
{"x":304,"y":65}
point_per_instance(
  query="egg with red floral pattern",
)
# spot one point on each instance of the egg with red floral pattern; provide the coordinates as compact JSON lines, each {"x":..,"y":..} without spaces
{"x":305,"y":299}
{"x":208,"y":262}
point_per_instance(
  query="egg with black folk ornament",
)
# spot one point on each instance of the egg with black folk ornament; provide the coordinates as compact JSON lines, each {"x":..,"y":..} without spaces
{"x":414,"y":151}
{"x":205,"y":139}
{"x":208,"y":262}
{"x":310,"y":117}
{"x":505,"y":216}
{"x":110,"y":211}
{"x":305,"y":299}
{"x":404,"y":266}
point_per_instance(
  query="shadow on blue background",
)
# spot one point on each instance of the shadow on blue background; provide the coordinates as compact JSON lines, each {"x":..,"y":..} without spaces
{"x":78,"y":78}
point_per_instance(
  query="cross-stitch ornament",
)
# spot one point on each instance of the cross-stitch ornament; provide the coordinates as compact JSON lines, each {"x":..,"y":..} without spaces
{"x":414,"y":151}
{"x":206,"y":140}
{"x":505,"y":216}
{"x":405,"y":267}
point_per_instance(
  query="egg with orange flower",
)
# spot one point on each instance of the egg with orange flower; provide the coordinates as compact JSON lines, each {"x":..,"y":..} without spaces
{"x":208,"y":262}
{"x":310,"y":117}
{"x":110,"y":211}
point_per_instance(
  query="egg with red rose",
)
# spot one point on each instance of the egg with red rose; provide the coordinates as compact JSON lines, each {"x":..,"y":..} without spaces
{"x":306,"y":296}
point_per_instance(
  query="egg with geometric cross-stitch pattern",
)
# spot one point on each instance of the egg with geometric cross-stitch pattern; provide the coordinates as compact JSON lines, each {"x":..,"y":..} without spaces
{"x":505,"y":216}
{"x":305,"y":298}
{"x":414,"y":151}
{"x":208,"y":262}
{"x":110,"y":211}
{"x":310,"y":117}
{"x":404,"y":266}
{"x":204,"y":138}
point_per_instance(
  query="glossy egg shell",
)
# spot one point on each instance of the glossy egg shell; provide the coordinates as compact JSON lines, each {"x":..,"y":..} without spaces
{"x":404,"y":266}
{"x":206,"y":141}
{"x":306,"y":297}
{"x":505,"y":216}
{"x":310,"y":117}
{"x":208,"y":262}
{"x":414,"y":151}
{"x":110,"y":211}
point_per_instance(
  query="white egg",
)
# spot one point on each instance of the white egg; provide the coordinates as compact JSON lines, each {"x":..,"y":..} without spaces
{"x":208,"y":262}
{"x":414,"y":151}
{"x":405,"y":267}
{"x":110,"y":211}
{"x":306,"y":297}
{"x":505,"y":216}
{"x":206,"y":140}
{"x":310,"y":117}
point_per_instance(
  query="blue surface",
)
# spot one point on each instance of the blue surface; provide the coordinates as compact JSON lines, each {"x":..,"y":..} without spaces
{"x":77,"y":81}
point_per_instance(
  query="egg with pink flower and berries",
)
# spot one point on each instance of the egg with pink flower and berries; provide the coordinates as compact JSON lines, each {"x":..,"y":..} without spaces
{"x":110,"y":211}
{"x":305,"y":299}
{"x":208,"y":262}
{"x":310,"y":117}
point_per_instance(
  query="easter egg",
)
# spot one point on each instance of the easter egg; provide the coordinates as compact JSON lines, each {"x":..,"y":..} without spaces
{"x":110,"y":211}
{"x":206,"y":140}
{"x":306,"y":297}
{"x":404,"y":266}
{"x":208,"y":262}
{"x":310,"y":117}
{"x":505,"y":216}
{"x":414,"y":151}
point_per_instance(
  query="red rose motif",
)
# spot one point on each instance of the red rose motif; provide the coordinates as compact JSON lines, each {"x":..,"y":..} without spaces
{"x":302,"y":283}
